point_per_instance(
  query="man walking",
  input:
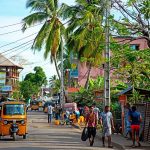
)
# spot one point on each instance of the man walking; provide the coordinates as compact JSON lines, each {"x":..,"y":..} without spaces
{"x":135,"y":119}
{"x":50,"y":112}
{"x":91,"y":122}
{"x":106,"y":120}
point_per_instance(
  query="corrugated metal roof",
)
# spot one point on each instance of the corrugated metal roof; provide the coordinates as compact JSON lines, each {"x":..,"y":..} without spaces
{"x":129,"y":90}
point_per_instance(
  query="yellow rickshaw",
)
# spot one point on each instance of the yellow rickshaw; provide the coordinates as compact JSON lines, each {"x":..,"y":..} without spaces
{"x":13,"y":119}
{"x":34,"y":105}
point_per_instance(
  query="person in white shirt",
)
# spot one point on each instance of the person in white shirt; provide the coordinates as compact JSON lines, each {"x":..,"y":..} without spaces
{"x":106,"y":120}
{"x":96,"y":111}
{"x":50,"y":112}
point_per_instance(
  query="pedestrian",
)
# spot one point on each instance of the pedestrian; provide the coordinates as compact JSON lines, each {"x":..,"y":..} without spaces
{"x":135,"y":119}
{"x":106,"y":120}
{"x":91,"y":123}
{"x":57,"y":113}
{"x":96,"y":111}
{"x":50,"y":112}
{"x":127,"y":122}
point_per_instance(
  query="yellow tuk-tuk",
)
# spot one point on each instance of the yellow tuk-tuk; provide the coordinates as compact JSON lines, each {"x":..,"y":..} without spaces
{"x":34,"y":105}
{"x":13,"y":119}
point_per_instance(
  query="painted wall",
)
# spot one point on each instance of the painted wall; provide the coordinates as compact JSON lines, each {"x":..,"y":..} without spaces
{"x":83,"y":70}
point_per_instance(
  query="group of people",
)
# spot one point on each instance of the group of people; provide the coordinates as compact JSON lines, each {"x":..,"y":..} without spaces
{"x":105,"y":119}
{"x":53,"y":112}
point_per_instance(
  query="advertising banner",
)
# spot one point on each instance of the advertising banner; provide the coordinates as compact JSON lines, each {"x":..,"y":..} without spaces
{"x":2,"y":79}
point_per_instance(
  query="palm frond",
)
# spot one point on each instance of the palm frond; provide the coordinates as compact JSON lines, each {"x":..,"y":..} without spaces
{"x":39,"y":39}
{"x":34,"y":18}
{"x":36,"y":5}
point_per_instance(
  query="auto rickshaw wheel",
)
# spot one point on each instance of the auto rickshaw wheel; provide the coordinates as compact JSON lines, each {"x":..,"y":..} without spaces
{"x":14,"y":136}
{"x":24,"y":136}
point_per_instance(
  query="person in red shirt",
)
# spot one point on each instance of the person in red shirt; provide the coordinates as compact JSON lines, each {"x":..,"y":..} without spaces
{"x":91,"y":123}
{"x":135,"y":118}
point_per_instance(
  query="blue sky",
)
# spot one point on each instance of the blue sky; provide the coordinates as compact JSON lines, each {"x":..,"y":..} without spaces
{"x":11,"y":12}
{"x":17,"y":7}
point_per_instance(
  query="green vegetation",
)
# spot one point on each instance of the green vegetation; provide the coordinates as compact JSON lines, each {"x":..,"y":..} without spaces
{"x":85,"y":36}
{"x":33,"y":83}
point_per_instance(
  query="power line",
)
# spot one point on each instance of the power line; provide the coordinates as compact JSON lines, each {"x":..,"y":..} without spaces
{"x":17,"y":46}
{"x":19,"y":29}
{"x":10,"y":25}
{"x":20,"y":48}
{"x":18,"y":40}
{"x":15,"y":55}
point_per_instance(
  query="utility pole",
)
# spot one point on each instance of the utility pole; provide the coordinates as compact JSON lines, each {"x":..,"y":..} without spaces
{"x":107,"y":57}
{"x":62,"y":76}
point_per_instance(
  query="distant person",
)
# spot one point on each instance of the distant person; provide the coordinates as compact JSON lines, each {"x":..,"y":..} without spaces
{"x":127,"y":122}
{"x":57,"y":113}
{"x":135,"y":119}
{"x":106,"y":120}
{"x":91,"y":123}
{"x":96,"y":111}
{"x":50,"y":112}
{"x":81,"y":110}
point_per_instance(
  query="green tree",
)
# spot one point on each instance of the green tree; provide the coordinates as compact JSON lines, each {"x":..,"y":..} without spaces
{"x":38,"y":78}
{"x":51,"y":33}
{"x":134,"y":19}
{"x":85,"y":32}
{"x":27,"y":89}
{"x":52,"y":81}
{"x":131,"y":66}
{"x":33,"y":83}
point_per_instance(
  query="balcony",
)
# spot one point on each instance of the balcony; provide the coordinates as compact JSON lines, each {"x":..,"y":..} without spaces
{"x":12,"y":75}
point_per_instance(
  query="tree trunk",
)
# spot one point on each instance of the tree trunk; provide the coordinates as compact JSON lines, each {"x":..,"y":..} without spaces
{"x":57,"y":70}
{"x":88,"y":77}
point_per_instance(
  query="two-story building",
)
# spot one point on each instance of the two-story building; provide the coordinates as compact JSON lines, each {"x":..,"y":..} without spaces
{"x":9,"y":75}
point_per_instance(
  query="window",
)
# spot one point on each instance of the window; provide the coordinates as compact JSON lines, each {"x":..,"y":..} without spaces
{"x":13,"y":109}
{"x":134,"y":46}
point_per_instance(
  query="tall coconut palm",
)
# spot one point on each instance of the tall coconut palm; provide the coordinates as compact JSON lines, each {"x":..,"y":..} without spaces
{"x":85,"y":31}
{"x":51,"y":33}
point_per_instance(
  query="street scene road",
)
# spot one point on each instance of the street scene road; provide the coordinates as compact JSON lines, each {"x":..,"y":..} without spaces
{"x":42,"y":136}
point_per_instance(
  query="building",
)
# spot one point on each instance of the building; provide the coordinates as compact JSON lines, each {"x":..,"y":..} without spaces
{"x":136,"y":44}
{"x":9,"y":75}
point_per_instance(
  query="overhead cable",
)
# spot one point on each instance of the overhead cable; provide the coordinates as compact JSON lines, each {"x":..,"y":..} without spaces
{"x":19,"y":29}
{"x":18,"y":40}
{"x":6,"y":26}
{"x":17,"y":46}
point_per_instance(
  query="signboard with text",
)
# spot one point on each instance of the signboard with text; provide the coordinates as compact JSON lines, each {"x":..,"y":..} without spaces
{"x":6,"y":88}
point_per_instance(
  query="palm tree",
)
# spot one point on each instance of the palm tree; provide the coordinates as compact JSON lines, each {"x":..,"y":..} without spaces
{"x":52,"y":81}
{"x":85,"y":32}
{"x":51,"y":33}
